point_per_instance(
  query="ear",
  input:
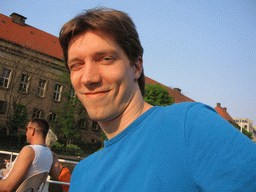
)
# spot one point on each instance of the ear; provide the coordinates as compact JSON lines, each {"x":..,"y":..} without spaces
{"x":138,"y":67}
{"x":33,"y":132}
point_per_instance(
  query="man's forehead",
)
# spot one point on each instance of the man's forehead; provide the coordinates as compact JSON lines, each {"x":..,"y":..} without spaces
{"x":107,"y":37}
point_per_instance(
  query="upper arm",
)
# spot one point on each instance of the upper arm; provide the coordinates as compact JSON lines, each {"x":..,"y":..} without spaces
{"x":55,"y":168}
{"x":20,"y":169}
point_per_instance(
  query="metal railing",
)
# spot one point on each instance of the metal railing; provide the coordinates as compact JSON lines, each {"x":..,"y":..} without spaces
{"x":48,"y":181}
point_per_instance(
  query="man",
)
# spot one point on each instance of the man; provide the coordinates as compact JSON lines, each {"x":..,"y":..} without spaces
{"x":182,"y":147}
{"x":32,"y":159}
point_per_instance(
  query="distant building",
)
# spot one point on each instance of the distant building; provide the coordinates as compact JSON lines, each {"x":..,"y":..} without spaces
{"x":246,"y":124}
{"x":223,"y":112}
{"x":242,"y":122}
{"x":176,"y":92}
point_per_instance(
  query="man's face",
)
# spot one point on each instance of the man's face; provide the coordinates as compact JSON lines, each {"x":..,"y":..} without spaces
{"x":29,"y":131}
{"x":101,"y":74}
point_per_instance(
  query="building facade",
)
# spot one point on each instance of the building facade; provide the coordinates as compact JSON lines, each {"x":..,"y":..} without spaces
{"x":247,"y":124}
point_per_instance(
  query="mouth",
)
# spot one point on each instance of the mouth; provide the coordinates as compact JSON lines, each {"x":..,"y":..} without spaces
{"x":96,"y":94}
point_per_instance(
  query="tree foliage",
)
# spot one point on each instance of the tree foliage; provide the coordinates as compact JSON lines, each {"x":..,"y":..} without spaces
{"x":157,"y":95}
{"x":65,"y":123}
{"x":248,"y":134}
{"x":18,"y":119}
{"x":103,"y":136}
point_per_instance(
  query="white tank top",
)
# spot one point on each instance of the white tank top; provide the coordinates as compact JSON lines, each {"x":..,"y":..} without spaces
{"x":41,"y":163}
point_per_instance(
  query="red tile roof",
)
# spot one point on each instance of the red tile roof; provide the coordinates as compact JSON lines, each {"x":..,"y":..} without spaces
{"x":48,"y":44}
{"x":223,"y":112}
{"x":30,"y":37}
{"x":178,"y":97}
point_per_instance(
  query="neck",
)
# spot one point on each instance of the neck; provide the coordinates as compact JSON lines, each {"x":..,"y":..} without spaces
{"x":38,"y":142}
{"x":134,"y":109}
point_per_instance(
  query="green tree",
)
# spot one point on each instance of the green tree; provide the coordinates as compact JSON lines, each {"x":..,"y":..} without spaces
{"x":157,"y":95}
{"x":103,"y":136}
{"x":65,"y":122}
{"x":69,"y":112}
{"x":248,"y":134}
{"x":18,"y":119}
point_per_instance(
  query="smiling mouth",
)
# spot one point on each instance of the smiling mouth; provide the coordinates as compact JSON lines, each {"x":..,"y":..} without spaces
{"x":95,"y":94}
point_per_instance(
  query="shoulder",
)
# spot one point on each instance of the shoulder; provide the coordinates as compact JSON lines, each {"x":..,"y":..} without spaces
{"x":187,"y":106}
{"x":27,"y":153}
{"x":55,"y":156}
{"x":27,"y":150}
{"x":180,"y":111}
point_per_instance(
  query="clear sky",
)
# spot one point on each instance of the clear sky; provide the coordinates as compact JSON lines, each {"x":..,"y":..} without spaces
{"x":207,"y":48}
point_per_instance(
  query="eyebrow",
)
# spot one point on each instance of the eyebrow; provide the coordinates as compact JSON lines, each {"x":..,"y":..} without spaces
{"x":73,"y":59}
{"x":107,"y":52}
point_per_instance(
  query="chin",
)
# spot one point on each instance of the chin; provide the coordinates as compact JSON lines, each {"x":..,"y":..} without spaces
{"x":101,"y":117}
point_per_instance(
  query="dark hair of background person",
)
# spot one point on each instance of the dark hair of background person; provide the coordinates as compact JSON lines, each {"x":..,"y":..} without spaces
{"x":42,"y":125}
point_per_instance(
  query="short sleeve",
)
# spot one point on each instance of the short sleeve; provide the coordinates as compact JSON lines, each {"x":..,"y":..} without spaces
{"x":219,"y":157}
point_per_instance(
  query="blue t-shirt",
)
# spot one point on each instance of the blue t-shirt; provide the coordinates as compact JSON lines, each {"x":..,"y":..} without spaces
{"x":182,"y":147}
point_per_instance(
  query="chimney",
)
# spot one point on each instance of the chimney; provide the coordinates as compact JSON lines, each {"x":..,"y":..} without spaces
{"x":225,"y":109}
{"x":19,"y":19}
{"x":218,"y":104}
{"x":177,"y":90}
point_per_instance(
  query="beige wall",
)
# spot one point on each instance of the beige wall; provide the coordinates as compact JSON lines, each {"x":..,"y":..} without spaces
{"x":246,"y":124}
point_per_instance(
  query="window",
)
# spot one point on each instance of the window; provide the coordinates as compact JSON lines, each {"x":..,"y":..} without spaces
{"x":52,"y":117}
{"x":82,"y":123}
{"x":41,"y":88}
{"x":38,"y":113}
{"x":5,"y":78}
{"x":24,"y":83}
{"x":3,"y":105}
{"x":72,"y":95}
{"x":57,"y":92}
{"x":94,"y":126}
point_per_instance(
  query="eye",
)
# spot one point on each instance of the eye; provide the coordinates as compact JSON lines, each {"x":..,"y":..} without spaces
{"x":107,"y":58}
{"x":75,"y":66}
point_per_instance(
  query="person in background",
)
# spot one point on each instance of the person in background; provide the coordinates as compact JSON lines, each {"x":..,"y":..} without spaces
{"x":182,"y":147}
{"x":4,"y":171}
{"x":32,"y":159}
{"x":49,"y":141}
{"x":58,"y":172}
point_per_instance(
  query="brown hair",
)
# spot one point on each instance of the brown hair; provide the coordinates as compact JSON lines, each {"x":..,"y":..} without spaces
{"x":114,"y":23}
{"x":42,"y":124}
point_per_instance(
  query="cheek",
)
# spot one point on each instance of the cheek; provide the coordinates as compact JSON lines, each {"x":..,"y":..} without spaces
{"x":74,"y":80}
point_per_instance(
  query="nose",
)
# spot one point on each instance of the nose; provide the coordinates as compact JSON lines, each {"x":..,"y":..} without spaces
{"x":90,"y":74}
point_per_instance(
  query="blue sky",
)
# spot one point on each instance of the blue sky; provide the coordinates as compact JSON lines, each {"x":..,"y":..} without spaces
{"x":205,"y":48}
